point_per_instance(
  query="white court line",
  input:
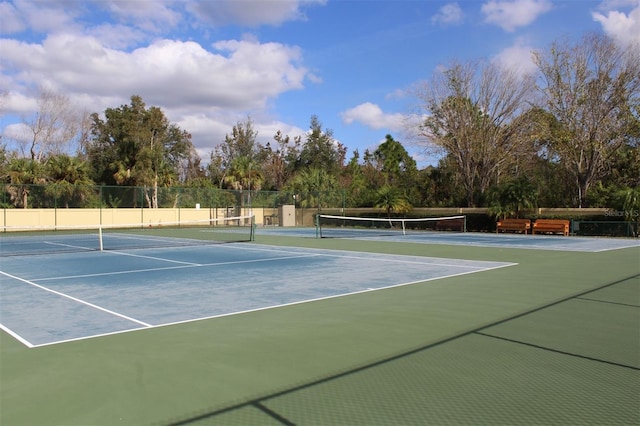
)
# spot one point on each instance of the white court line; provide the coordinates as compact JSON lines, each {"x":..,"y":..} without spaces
{"x":383,"y":257}
{"x":70,"y":246}
{"x":75,"y":299}
{"x":524,"y":244}
{"x":299,"y":302}
{"x":451,"y":265}
{"x":17,"y":337}
{"x":153,"y":258}
{"x":194,"y":265}
{"x":106,"y":274}
{"x":635,"y":245}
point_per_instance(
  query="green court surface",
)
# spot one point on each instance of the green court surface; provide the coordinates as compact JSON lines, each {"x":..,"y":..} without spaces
{"x":554,"y":339}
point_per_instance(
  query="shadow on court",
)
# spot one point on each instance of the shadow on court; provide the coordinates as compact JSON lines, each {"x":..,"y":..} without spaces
{"x":533,"y":368}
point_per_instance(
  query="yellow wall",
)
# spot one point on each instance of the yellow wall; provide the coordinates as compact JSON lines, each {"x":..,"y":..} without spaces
{"x":94,"y":217}
{"x":303,"y":217}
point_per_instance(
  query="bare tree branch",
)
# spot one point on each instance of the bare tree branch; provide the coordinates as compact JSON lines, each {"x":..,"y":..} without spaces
{"x":591,"y":89}
{"x":472,"y":110}
{"x":52,"y":128}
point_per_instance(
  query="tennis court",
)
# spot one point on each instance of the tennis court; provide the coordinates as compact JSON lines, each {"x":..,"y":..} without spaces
{"x":287,"y":329}
{"x":71,"y":296}
{"x":539,"y":242}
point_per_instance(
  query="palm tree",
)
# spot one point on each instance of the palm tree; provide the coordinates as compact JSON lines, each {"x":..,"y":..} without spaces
{"x":244,"y":174}
{"x":314,"y":185}
{"x":21,"y":173}
{"x":512,"y":198}
{"x":68,"y":178}
{"x":391,"y":199}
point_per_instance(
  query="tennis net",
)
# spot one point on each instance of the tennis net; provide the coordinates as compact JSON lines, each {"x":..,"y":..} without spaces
{"x":330,"y":226}
{"x":20,"y":241}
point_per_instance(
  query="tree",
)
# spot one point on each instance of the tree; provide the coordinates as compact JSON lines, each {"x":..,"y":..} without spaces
{"x":240,"y":143}
{"x":4,"y":158}
{"x":512,"y":197}
{"x":391,"y":199}
{"x":190,"y":168}
{"x":398,"y":167}
{"x":473,"y":115}
{"x":20,"y":175}
{"x":244,"y":174}
{"x":215,"y":171}
{"x":590,"y":88}
{"x":278,"y":163}
{"x":136,"y":146}
{"x":68,"y":179}
{"x":321,"y":150}
{"x":355,"y":182}
{"x":631,"y":206}
{"x":552,"y":182}
{"x":395,"y":162}
{"x":373,"y":176}
{"x":84,"y":134}
{"x":315,"y":186}
{"x":442,"y":187}
{"x":53,"y":127}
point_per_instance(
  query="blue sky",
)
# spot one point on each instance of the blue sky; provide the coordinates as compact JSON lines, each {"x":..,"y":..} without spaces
{"x":211,"y":63}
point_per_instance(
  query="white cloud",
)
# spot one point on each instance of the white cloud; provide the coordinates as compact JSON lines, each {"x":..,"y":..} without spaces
{"x":620,"y":25}
{"x":371,"y":115}
{"x":63,"y":17}
{"x":117,"y":36}
{"x":16,"y":134}
{"x":239,"y":74}
{"x":40,"y":16}
{"x":151,"y":16}
{"x":102,"y":52}
{"x":517,"y":57}
{"x":10,"y":19}
{"x":261,"y":70}
{"x":396,"y":94}
{"x":182,"y":78}
{"x":19,"y":103}
{"x":249,"y":12}
{"x":617,"y":4}
{"x":449,"y":14}
{"x":129,"y":22}
{"x":267,"y":129}
{"x":511,"y":14}
{"x":209,"y":130}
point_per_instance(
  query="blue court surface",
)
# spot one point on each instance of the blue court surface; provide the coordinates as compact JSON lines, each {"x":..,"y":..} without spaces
{"x":519,"y":241}
{"x":68,"y":296}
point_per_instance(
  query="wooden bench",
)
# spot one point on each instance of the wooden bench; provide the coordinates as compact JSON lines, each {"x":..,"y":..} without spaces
{"x":522,"y":225}
{"x":450,"y":225}
{"x":552,"y":226}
